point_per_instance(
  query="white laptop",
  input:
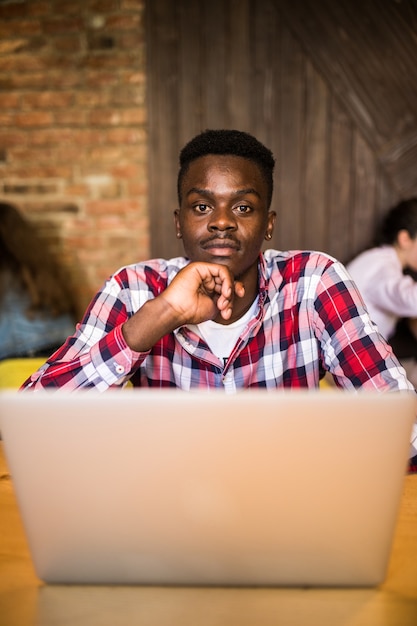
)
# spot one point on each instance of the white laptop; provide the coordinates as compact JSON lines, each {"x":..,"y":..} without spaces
{"x":202,"y":488}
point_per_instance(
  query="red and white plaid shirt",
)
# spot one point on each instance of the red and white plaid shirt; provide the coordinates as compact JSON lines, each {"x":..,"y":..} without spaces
{"x":310,"y":318}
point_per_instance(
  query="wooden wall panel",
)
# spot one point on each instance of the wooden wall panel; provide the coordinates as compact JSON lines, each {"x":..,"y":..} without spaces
{"x":340,"y":183}
{"x":315,"y":161}
{"x":307,"y":82}
{"x":289,"y":130}
{"x":364,"y":194}
{"x":367,"y":52}
{"x":163,"y":112}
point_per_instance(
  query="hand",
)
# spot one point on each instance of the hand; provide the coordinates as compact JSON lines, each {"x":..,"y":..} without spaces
{"x":201,"y":291}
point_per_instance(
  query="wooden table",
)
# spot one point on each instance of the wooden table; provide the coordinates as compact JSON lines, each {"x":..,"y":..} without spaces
{"x":26,"y":601}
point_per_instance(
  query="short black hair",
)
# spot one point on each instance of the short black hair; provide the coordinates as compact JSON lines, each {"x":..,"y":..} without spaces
{"x":403,"y":216}
{"x":230,"y":142}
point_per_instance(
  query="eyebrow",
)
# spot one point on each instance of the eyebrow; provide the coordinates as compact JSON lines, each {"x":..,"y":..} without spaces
{"x":207,"y":193}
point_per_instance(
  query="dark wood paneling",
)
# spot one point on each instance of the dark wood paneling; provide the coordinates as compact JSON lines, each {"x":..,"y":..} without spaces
{"x":163,"y":113}
{"x":289,"y":131}
{"x":315,"y":161}
{"x":340,"y":182}
{"x":364,"y":194}
{"x":329,"y":86}
{"x":367,"y":52}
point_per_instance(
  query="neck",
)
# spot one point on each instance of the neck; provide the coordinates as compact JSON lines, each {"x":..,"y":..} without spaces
{"x":402,"y":256}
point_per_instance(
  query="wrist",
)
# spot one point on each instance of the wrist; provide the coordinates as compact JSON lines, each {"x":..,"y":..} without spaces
{"x":150,"y":323}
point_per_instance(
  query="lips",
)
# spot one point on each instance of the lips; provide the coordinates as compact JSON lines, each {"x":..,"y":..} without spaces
{"x":220,"y":243}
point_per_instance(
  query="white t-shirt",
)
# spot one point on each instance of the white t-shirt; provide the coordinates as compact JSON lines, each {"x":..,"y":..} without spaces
{"x":222,"y":338}
{"x":388,"y":294}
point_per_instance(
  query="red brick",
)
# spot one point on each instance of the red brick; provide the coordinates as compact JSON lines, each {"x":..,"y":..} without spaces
{"x":61,"y":136}
{"x":12,"y":138}
{"x":131,"y":5}
{"x":133,"y":117}
{"x":132,"y":78}
{"x":138,"y":188}
{"x":123,"y":22}
{"x":110,"y":60}
{"x":117,"y":117}
{"x":78,"y":189}
{"x":45,"y":154}
{"x":19,"y":9}
{"x":33,"y":119}
{"x":67,"y":43}
{"x":58,"y":25}
{"x":105,"y":117}
{"x":87,"y":98}
{"x":94,"y":79}
{"x":41,"y":171}
{"x":111,"y":207}
{"x":47,"y":100}
{"x":21,"y":63}
{"x":10,"y":100}
{"x":48,"y":80}
{"x":126,"y":170}
{"x":128,"y":95}
{"x":20,"y":28}
{"x":72,"y":117}
{"x":104,"y":6}
{"x":6,"y":119}
{"x":107,"y":154}
{"x":125,"y":136}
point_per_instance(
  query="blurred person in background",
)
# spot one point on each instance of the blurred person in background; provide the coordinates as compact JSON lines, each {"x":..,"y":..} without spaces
{"x":36,"y":309}
{"x":384,"y":276}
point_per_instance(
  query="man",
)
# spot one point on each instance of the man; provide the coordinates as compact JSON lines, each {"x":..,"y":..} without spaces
{"x":226,"y":316}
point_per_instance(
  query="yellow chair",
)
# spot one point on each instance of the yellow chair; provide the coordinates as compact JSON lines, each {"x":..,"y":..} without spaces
{"x":14,"y":372}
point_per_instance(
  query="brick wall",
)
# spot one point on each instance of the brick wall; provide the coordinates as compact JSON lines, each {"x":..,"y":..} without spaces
{"x":73,"y":138}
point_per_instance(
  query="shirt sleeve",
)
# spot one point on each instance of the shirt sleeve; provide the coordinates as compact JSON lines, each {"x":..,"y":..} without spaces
{"x":97,"y":355}
{"x":395,"y":293}
{"x":352,"y":348}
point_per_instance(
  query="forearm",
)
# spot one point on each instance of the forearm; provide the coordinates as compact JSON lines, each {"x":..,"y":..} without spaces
{"x":154,"y":320}
{"x":354,"y":352}
{"x":108,"y":363}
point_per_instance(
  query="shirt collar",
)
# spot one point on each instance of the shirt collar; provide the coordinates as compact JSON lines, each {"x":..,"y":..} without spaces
{"x":263,"y":279}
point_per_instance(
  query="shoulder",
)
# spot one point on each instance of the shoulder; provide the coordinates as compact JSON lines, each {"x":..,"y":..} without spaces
{"x":299,"y":262}
{"x":153,"y":274}
{"x":379,"y":254}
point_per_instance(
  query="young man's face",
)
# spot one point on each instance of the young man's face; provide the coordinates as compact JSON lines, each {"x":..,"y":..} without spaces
{"x":223,"y":216}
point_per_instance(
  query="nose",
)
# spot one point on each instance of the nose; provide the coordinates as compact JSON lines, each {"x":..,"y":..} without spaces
{"x":222,"y":219}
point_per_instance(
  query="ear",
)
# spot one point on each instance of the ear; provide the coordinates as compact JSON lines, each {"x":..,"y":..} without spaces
{"x":177,"y":223}
{"x":271,"y":223}
{"x":404,"y":239}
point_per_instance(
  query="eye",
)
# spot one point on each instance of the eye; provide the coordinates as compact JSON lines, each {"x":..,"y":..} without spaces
{"x":243,"y":208}
{"x":201,"y":208}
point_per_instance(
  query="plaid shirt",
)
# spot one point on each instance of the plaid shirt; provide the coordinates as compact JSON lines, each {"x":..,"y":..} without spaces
{"x":310,"y":319}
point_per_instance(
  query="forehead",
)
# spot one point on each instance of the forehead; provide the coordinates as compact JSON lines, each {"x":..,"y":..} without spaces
{"x":237,"y":171}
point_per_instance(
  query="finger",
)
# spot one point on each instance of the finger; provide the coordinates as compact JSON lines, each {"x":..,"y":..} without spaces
{"x":239,"y":289}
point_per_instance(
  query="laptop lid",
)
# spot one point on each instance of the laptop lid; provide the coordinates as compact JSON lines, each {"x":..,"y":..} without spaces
{"x":167,"y":487}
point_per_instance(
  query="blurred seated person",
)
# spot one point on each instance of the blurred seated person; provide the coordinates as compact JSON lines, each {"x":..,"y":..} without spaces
{"x":384,"y":275}
{"x":36,"y":311}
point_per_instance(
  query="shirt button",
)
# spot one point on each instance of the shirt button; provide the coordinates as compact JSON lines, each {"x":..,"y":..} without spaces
{"x":120,"y":369}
